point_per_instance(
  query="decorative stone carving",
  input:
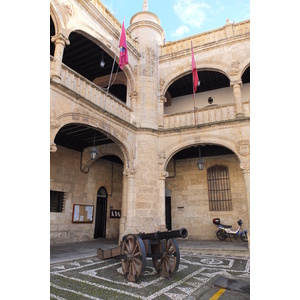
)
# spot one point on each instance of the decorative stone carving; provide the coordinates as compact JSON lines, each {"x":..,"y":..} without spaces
{"x":161,"y":157}
{"x":145,"y":5}
{"x":161,"y":84}
{"x":234,"y":68}
{"x":68,"y":7}
{"x":244,"y":147}
{"x":54,"y":123}
{"x":53,"y":147}
{"x":245,"y":166}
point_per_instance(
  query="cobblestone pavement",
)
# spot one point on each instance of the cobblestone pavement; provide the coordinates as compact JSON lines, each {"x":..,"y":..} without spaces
{"x":95,"y":279}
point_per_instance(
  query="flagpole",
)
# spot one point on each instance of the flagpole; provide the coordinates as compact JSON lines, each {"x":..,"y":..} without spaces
{"x":114,"y":65}
{"x":193,"y":86}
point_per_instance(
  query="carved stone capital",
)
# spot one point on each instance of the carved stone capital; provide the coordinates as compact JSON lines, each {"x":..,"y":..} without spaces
{"x":245,"y":166}
{"x":163,"y":99}
{"x":53,"y":147}
{"x":163,"y":175}
{"x":60,"y":39}
{"x":133,"y":94}
{"x":236,"y":83}
{"x":130,"y":172}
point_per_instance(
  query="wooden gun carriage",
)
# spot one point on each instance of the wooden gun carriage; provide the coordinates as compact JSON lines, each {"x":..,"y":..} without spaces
{"x":160,"y":246}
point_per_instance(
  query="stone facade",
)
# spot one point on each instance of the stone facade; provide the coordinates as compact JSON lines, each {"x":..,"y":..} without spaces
{"x":145,"y":137}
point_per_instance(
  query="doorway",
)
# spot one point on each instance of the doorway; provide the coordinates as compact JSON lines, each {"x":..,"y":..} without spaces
{"x":168,"y":209}
{"x":101,"y":213}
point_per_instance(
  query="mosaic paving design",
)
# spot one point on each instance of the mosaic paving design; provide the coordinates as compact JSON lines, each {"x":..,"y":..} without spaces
{"x":96,"y":279}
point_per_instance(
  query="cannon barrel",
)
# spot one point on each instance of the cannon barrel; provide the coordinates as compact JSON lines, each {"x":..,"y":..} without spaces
{"x":164,"y":235}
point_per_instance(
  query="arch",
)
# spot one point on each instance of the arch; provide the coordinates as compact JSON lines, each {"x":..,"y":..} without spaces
{"x":244,"y":70}
{"x":101,"y":213}
{"x":172,"y":149}
{"x":112,"y":53}
{"x":179,"y":73}
{"x":245,"y":64}
{"x":113,"y":132}
{"x":103,"y":150}
{"x":55,"y":19}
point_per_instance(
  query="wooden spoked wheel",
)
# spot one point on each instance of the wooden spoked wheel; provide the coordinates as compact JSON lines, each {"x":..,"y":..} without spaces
{"x":133,"y":257}
{"x":168,"y":263}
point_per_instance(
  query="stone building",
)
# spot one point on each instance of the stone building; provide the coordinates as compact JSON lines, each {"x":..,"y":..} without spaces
{"x":124,"y":144}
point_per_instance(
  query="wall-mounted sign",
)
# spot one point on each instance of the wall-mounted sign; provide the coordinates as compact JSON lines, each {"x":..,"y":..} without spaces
{"x":115,"y":214}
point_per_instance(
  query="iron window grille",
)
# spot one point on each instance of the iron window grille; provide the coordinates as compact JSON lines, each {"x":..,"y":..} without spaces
{"x":57,"y":201}
{"x":219,"y":192}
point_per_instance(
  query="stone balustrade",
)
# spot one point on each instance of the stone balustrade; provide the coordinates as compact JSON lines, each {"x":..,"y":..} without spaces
{"x":207,"y":38}
{"x":93,"y":93}
{"x":107,"y":102}
{"x":214,"y":114}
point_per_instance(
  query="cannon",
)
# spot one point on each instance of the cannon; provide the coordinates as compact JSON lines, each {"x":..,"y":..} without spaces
{"x":160,"y":246}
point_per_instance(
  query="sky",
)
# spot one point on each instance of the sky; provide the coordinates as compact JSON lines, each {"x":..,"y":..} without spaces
{"x":183,"y":18}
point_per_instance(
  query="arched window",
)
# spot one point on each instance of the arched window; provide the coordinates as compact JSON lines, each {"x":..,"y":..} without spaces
{"x":219,"y":193}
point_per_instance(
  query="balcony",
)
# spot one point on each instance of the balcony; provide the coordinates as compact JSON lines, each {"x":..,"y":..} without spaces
{"x":110,"y":104}
{"x":212,"y":115}
{"x":93,"y":93}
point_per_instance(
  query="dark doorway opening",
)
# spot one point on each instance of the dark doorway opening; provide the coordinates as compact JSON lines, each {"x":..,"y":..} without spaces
{"x":101,"y":213}
{"x":168,"y":212}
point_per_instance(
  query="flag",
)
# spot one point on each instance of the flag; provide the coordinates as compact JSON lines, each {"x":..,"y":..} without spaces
{"x":123,"y":49}
{"x":195,"y":73}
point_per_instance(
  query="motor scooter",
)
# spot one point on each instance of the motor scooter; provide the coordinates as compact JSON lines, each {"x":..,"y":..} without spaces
{"x":224,"y":231}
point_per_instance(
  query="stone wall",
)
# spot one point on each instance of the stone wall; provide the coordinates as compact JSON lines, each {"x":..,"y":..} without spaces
{"x":189,"y":197}
{"x":81,"y":188}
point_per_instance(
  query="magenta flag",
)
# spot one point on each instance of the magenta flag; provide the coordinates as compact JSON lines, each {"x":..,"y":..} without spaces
{"x":195,"y":73}
{"x":123,"y":49}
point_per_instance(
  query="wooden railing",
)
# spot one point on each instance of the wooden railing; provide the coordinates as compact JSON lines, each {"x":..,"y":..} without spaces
{"x":93,"y":93}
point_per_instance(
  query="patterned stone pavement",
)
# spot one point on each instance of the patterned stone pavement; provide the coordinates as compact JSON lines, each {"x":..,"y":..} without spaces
{"x":95,"y":279}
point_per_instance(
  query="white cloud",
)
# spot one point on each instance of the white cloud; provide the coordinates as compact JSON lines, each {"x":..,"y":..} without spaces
{"x":191,"y":12}
{"x":180,"y":31}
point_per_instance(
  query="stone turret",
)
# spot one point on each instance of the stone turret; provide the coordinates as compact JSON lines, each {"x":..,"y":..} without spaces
{"x":146,"y":30}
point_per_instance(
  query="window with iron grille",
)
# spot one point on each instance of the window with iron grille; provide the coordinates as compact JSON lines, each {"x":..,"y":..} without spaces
{"x":57,"y":201}
{"x":219,"y":193}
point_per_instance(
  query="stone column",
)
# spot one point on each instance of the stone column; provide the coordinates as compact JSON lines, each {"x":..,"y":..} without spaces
{"x":124,"y":207}
{"x":161,"y":197}
{"x":60,"y":42}
{"x":128,"y":205}
{"x":133,"y":99}
{"x":237,"y":94}
{"x":246,"y":171}
{"x":162,"y":101}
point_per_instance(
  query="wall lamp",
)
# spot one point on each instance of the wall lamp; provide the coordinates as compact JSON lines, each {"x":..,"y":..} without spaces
{"x":200,"y":162}
{"x":93,"y":151}
{"x":102,"y":62}
{"x":210,"y":100}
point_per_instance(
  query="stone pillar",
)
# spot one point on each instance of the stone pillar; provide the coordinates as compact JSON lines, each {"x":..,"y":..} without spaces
{"x":237,"y":94}
{"x":128,"y":204}
{"x":246,"y":171}
{"x":60,"y":42}
{"x":133,"y":100}
{"x":124,"y":207}
{"x":162,"y":101}
{"x":161,"y":197}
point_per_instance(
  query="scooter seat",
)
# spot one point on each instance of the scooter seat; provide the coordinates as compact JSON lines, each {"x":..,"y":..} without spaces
{"x":226,"y":226}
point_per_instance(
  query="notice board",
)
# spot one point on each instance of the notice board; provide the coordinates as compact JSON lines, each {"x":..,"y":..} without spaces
{"x":82,"y":213}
